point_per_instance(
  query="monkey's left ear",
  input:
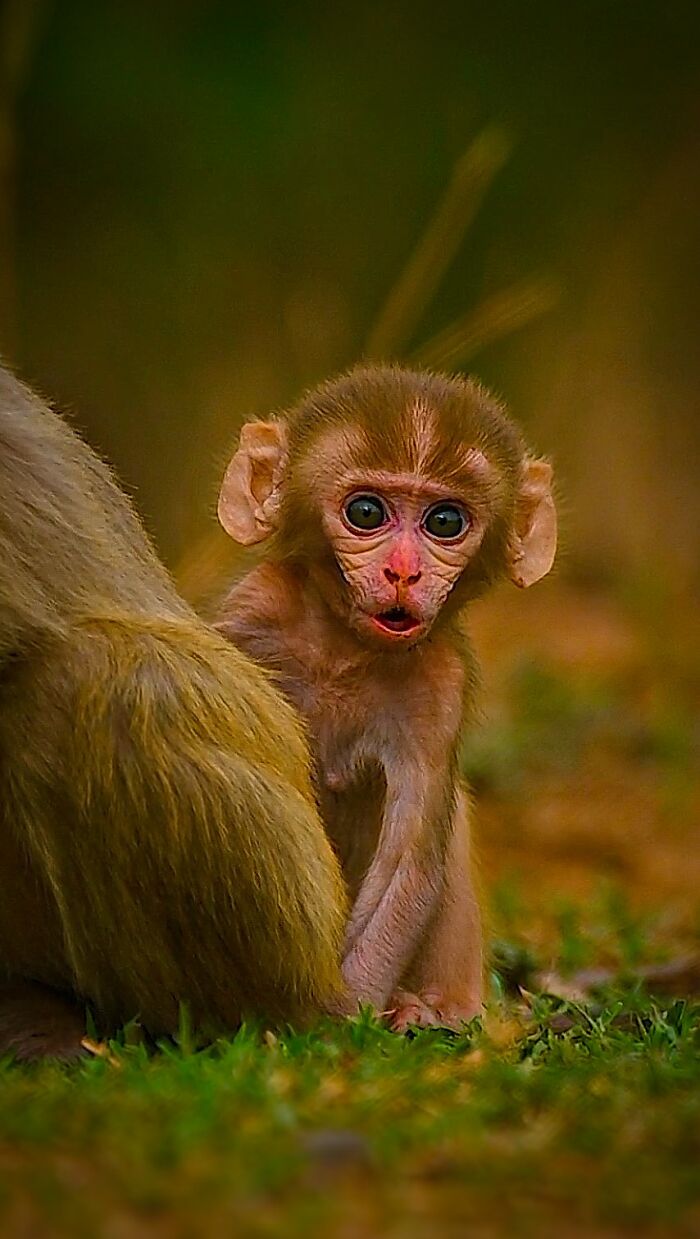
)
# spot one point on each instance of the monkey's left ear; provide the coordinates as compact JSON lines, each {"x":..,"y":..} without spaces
{"x":535,"y":536}
{"x":250,"y":492}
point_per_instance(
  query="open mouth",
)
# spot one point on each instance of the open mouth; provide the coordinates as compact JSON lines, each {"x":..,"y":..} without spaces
{"x":396,"y":620}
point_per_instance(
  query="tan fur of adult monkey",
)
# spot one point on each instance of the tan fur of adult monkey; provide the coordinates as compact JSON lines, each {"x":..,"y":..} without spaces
{"x":159,"y":842}
{"x":391,"y":498}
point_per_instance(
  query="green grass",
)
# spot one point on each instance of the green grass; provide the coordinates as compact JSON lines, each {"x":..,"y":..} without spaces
{"x":552,"y":1118}
{"x":548,"y":1118}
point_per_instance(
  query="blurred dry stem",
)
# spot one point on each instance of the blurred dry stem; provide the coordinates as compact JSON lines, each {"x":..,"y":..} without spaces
{"x":496,"y":316}
{"x":472,"y":176}
{"x":169,"y":289}
{"x":676,"y":978}
{"x":100,"y":1049}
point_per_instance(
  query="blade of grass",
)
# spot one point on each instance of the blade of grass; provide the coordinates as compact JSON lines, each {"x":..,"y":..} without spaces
{"x":472,"y":176}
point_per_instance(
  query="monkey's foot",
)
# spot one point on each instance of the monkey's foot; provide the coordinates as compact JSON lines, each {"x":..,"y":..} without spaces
{"x":431,"y":1010}
{"x":36,"y":1022}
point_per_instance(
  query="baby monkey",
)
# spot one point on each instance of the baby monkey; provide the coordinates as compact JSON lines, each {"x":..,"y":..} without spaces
{"x":390,"y":498}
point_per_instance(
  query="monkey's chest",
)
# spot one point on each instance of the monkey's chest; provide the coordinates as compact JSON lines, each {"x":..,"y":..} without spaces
{"x":348,"y":730}
{"x":348,"y":744}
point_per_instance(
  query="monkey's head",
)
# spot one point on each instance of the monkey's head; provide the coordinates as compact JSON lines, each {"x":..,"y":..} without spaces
{"x":404,"y":493}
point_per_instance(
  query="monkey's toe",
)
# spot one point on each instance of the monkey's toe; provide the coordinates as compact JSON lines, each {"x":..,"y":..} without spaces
{"x":409,"y":1011}
{"x":431,"y":1011}
{"x":452,"y":1012}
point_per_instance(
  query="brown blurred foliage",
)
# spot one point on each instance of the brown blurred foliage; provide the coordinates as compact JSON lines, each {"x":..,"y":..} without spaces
{"x":205,"y":206}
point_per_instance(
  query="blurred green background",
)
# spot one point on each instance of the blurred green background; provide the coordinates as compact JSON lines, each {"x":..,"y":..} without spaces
{"x":205,"y":205}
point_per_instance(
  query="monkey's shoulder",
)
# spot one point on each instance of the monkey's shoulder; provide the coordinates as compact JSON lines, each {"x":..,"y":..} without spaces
{"x":266,"y":592}
{"x":258,"y":611}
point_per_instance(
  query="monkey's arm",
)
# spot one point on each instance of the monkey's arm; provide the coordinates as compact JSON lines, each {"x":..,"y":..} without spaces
{"x":402,"y":887}
{"x":443,"y":985}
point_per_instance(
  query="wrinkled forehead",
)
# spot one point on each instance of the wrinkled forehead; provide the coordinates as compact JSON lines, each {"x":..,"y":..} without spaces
{"x":415,"y":444}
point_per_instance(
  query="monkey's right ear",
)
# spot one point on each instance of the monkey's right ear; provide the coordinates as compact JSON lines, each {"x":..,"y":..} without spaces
{"x":535,"y":534}
{"x":250,"y":492}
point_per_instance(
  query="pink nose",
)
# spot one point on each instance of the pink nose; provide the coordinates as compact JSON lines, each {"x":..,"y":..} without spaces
{"x":403,"y":577}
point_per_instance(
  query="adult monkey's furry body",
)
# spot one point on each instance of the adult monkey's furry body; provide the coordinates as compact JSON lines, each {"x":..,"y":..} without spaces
{"x":159,"y":842}
{"x":390,"y":499}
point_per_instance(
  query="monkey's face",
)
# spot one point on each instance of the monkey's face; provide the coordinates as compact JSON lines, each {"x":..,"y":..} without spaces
{"x":403,"y":494}
{"x":401,"y":544}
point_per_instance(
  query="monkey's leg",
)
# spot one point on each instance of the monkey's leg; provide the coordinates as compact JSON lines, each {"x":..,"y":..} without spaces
{"x":37,"y":1022}
{"x":443,"y":986}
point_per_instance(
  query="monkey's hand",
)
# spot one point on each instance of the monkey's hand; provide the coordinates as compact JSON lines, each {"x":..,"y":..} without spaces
{"x":432,"y":1010}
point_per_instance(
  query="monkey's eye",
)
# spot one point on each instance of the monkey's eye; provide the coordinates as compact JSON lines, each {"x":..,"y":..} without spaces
{"x":446,"y":521}
{"x":365,"y":512}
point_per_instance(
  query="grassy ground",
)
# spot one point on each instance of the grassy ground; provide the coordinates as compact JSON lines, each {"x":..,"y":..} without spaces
{"x":555,"y":1116}
{"x":579,"y":1125}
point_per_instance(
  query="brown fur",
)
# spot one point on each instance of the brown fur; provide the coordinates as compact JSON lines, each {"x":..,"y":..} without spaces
{"x":386,"y":712}
{"x":159,"y":842}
